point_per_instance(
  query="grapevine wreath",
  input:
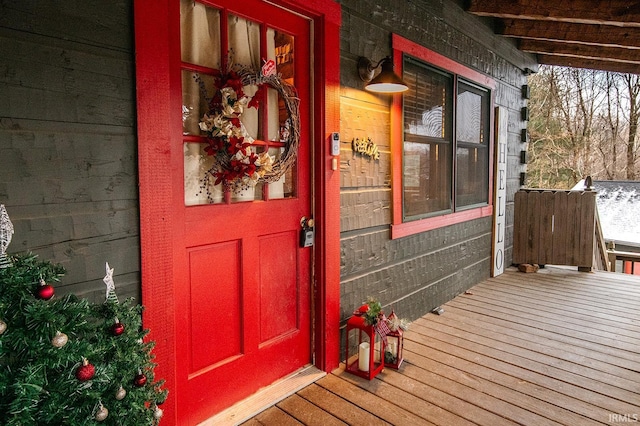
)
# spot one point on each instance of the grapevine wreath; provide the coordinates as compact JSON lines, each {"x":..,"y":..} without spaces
{"x":237,"y":166}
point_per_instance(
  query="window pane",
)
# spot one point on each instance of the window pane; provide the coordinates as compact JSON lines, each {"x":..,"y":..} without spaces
{"x":244,"y":42}
{"x":195,"y":88}
{"x":472,"y":185}
{"x":427,"y":104}
{"x":472,"y":154}
{"x":200,"y":34}
{"x":469,"y":115}
{"x":427,"y":179}
{"x":281,"y":49}
{"x":196,"y":164}
{"x":427,"y":153}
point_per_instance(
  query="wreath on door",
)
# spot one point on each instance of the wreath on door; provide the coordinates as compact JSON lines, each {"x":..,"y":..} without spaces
{"x":237,"y":164}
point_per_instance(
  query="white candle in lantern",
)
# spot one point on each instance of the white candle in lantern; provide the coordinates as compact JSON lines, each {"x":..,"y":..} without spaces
{"x":363,"y":356}
{"x":392,"y":348}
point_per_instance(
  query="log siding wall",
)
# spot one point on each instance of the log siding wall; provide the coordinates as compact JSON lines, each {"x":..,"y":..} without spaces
{"x":417,"y":273}
{"x":68,"y":163}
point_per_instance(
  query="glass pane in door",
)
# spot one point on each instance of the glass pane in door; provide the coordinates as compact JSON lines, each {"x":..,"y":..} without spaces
{"x":195,"y":87}
{"x":200,"y":34}
{"x":281,"y":50}
{"x":269,"y":125}
{"x":198,"y":190}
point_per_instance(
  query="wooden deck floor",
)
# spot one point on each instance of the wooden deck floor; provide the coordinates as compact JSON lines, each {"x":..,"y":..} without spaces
{"x":554,"y":347}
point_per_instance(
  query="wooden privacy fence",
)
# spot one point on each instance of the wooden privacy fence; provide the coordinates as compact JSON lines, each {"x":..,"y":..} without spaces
{"x":554,"y":227}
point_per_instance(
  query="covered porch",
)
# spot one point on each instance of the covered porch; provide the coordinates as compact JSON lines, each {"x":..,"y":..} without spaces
{"x":553,"y":347}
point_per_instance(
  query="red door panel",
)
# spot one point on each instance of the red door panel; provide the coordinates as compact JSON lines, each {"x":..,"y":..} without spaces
{"x":215,"y":294}
{"x":278,"y":286}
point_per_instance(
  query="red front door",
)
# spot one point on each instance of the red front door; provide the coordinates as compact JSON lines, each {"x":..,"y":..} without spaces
{"x":242,"y":281}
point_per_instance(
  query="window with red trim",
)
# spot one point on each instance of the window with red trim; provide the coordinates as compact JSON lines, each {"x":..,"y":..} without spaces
{"x":442,"y":158}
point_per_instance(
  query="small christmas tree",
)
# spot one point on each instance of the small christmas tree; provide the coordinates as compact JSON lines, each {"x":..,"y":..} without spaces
{"x":65,"y":361}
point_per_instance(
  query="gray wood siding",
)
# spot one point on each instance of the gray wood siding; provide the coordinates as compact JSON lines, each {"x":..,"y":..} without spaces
{"x":417,"y":273}
{"x":68,"y":163}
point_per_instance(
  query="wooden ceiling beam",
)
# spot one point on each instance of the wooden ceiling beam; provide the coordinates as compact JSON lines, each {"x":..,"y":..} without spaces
{"x":568,"y":61}
{"x":611,"y":12}
{"x":580,"y":51}
{"x":604,"y":35}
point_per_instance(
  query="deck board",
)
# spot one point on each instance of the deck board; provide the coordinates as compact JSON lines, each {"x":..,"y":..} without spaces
{"x":275,"y":416}
{"x":564,"y":303}
{"x":307,"y":412}
{"x":494,"y":383}
{"x":514,"y":334}
{"x":557,"y":347}
{"x":554,"y":334}
{"x":585,"y":331}
{"x":339,"y":407}
{"x":395,"y":405}
{"x":535,"y":372}
{"x":556,"y":314}
{"x":548,"y":365}
{"x":349,"y":388}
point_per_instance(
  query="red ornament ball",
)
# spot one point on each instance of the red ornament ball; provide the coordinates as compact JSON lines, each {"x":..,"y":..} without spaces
{"x":86,"y":371}
{"x":117,"y":329}
{"x":140,"y":380}
{"x":44,"y":291}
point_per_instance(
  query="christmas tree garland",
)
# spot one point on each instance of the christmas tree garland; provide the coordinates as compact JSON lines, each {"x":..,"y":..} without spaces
{"x":64,"y":360}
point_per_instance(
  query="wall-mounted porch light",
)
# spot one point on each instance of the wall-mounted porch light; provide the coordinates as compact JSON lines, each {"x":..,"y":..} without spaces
{"x":385,"y":82}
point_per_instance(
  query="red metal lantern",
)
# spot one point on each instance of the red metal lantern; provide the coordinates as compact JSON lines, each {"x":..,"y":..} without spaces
{"x":393,"y":352}
{"x":363,"y":349}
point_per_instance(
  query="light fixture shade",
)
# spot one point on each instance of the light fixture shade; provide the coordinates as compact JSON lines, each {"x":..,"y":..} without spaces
{"x":385,"y":82}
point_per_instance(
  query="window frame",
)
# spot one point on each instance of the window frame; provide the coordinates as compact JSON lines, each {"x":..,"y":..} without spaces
{"x":399,"y":228}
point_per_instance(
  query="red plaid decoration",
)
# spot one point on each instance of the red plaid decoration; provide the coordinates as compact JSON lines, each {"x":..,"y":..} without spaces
{"x":382,"y":328}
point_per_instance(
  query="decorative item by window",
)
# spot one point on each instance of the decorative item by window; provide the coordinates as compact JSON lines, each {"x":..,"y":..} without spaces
{"x":366,"y":340}
{"x":365,"y":147}
{"x":6,"y":233}
{"x":371,"y":311}
{"x":393,"y":355}
{"x":237,"y":166}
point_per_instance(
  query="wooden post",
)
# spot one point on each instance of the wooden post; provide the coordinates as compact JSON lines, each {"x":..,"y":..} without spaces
{"x":611,"y":248}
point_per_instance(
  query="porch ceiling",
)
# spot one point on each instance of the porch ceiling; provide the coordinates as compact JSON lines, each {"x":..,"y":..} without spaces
{"x":603,"y":35}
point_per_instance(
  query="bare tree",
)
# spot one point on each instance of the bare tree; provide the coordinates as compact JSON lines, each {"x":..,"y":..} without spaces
{"x":633,"y":87}
{"x":582,"y":121}
{"x":609,"y":137}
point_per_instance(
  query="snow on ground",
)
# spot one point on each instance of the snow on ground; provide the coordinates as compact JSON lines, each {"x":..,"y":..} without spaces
{"x":619,"y":209}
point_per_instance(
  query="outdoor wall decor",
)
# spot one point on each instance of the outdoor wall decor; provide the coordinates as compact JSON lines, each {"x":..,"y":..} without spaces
{"x":6,"y":234}
{"x":237,"y":164}
{"x":365,"y":147}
